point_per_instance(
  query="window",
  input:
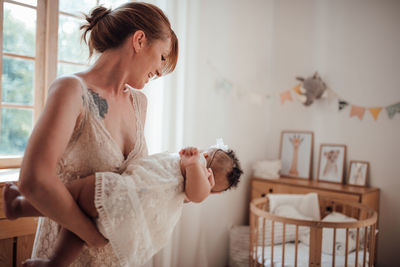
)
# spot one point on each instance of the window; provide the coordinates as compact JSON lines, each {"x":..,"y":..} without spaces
{"x":17,"y":90}
{"x":72,"y":57}
{"x":72,"y":53}
{"x":40,"y":40}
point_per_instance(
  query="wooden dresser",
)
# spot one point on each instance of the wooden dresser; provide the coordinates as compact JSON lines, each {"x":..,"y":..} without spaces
{"x":368,"y":196}
{"x":16,"y":237}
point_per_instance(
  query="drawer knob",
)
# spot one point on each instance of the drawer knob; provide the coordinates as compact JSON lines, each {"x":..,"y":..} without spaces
{"x":270,"y":190}
{"x":263,"y":195}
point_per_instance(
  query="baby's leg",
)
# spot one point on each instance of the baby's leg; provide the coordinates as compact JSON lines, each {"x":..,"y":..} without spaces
{"x":67,"y":249}
{"x":16,"y":205}
{"x":82,"y":190}
{"x":68,"y":245}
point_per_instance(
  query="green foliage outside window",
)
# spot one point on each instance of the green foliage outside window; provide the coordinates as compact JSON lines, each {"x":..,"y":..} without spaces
{"x":17,"y":85}
{"x":16,"y":126}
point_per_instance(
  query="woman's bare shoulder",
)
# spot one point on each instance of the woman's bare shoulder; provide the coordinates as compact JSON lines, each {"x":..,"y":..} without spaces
{"x":65,"y":92}
{"x":67,"y":86}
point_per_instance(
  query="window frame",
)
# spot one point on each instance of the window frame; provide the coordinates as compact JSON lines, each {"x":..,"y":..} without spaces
{"x":45,"y":61}
{"x":15,"y":161}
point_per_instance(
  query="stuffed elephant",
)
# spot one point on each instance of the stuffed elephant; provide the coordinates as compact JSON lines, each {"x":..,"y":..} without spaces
{"x":312,"y":88}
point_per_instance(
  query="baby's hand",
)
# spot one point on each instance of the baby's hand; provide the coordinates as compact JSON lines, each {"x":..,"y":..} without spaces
{"x":189,"y":155}
{"x":210,"y":177}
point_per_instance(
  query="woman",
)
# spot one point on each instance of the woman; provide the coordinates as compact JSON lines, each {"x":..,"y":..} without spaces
{"x":93,"y":123}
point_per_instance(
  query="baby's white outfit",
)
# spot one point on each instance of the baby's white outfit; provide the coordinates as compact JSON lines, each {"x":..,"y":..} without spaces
{"x":139,"y":209}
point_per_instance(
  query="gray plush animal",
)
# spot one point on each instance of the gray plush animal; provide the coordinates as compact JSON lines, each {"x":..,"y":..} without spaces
{"x":312,"y":88}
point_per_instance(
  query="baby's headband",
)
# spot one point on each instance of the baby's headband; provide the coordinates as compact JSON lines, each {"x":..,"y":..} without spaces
{"x":220,"y":145}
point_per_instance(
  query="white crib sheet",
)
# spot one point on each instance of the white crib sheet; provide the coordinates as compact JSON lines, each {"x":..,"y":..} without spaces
{"x":303,"y":255}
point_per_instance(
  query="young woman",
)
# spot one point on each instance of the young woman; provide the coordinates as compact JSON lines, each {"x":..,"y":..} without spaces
{"x":93,"y":123}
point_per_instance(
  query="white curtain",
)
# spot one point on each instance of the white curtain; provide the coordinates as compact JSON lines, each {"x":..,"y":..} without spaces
{"x":164,"y":131}
{"x":190,"y":113}
{"x":164,"y":121}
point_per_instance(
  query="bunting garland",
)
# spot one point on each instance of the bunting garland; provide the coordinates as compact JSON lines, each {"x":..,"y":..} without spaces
{"x":375,"y":112}
{"x":286,"y":96}
{"x":393,"y":109}
{"x":357,"y":111}
{"x":342,"y":104}
{"x":224,"y":85}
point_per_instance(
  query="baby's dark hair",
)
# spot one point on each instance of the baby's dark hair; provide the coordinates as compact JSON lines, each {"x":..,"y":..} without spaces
{"x":234,"y":175}
{"x":228,"y":163}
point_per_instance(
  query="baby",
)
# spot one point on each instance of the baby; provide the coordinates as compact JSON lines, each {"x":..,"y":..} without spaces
{"x":138,"y":209}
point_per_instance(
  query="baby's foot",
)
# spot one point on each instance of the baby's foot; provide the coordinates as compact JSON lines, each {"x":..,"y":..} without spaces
{"x":10,"y":199}
{"x":36,"y":263}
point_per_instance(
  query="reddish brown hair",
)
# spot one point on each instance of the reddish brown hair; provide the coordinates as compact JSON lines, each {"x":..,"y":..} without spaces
{"x":109,"y":28}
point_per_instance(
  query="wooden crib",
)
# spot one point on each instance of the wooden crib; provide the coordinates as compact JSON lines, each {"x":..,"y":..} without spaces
{"x":297,"y":254}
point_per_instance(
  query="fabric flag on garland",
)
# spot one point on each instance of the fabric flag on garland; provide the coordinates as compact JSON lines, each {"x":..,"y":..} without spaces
{"x":297,"y":89}
{"x":286,"y":96}
{"x":223,"y":85}
{"x":342,"y":104}
{"x":357,"y":111}
{"x":375,"y":112}
{"x":393,"y":109}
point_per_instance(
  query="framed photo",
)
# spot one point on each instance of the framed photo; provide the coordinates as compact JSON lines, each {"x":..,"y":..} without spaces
{"x":331,"y":163}
{"x":296,"y":154}
{"x":358,"y":172}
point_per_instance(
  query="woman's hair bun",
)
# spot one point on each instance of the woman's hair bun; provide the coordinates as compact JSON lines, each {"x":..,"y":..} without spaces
{"x":108,"y":29}
{"x":95,"y":16}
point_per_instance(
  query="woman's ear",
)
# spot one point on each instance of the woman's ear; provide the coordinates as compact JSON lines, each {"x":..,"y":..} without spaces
{"x":138,"y":40}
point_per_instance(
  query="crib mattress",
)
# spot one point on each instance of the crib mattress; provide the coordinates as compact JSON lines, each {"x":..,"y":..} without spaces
{"x":303,"y":255}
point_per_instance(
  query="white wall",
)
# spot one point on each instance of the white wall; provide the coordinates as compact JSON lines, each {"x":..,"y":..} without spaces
{"x":261,"y":46}
{"x":355,"y":47}
{"x":219,"y":35}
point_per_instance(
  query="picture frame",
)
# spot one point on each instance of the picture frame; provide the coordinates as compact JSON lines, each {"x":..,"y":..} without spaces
{"x":331,"y":163}
{"x":296,"y":149}
{"x":358,"y":173}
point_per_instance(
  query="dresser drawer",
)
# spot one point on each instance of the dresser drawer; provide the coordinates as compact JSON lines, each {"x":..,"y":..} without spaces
{"x":287,"y":189}
{"x":261,"y":189}
{"x":19,"y":227}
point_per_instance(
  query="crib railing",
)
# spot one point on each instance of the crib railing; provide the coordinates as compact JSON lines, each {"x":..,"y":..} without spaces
{"x":365,"y":226}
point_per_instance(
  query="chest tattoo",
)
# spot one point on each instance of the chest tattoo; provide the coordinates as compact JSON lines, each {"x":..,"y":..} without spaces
{"x":101,"y":103}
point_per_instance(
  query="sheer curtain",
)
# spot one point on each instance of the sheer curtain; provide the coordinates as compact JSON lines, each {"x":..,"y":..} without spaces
{"x":165,"y":124}
{"x":164,"y":121}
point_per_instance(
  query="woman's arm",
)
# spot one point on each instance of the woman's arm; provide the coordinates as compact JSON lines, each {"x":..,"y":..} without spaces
{"x":48,"y":141}
{"x":199,"y":180}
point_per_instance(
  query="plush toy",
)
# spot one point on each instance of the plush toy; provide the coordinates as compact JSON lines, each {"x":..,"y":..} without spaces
{"x":311,"y":88}
{"x":267,"y":168}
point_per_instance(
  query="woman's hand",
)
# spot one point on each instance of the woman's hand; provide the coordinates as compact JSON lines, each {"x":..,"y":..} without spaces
{"x":210,"y":177}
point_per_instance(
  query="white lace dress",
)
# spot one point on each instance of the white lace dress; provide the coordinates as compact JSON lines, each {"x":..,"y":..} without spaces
{"x":139,"y":209}
{"x":91,"y":149}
